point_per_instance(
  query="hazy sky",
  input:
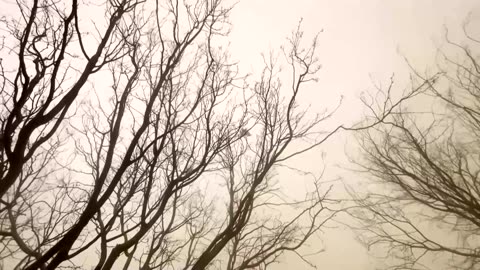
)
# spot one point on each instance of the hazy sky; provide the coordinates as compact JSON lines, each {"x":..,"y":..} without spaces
{"x":361,"y":39}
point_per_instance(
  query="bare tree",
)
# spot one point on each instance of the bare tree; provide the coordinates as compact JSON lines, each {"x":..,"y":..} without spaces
{"x":424,"y":210}
{"x":110,"y":130}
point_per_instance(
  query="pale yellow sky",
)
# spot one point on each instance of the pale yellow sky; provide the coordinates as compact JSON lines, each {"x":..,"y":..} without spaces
{"x":361,"y":39}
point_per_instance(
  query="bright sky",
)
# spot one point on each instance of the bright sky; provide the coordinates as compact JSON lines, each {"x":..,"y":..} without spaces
{"x":361,"y":39}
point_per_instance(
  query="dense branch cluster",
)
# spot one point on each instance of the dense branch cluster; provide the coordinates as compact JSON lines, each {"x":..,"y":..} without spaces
{"x":120,"y":135}
{"x":130,"y":140}
{"x":426,"y":206}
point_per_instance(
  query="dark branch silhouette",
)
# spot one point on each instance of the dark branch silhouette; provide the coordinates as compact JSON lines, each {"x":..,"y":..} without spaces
{"x":425,"y":209}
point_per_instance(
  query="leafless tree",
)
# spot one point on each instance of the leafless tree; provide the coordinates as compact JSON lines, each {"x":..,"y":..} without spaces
{"x":120,"y":133}
{"x":424,"y":210}
{"x":108,"y":134}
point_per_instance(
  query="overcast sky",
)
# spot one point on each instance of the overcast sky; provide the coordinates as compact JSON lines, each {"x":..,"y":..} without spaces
{"x":361,"y":39}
